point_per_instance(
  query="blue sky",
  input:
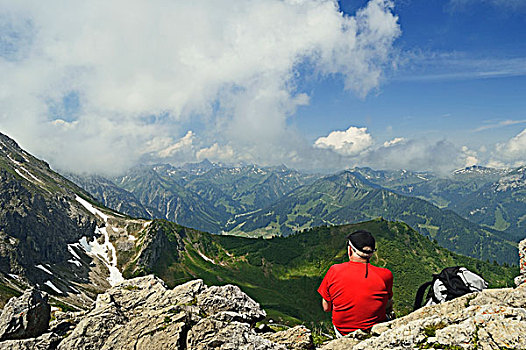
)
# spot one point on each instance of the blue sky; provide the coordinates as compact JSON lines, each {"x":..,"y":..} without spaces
{"x":317,"y":85}
{"x":462,"y":68}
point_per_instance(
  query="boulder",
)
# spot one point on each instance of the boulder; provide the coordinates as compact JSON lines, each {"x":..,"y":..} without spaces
{"x":142,"y":313}
{"x":296,"y":338}
{"x":26,"y":316}
{"x":213,"y":334}
{"x":44,"y":342}
{"x":230,"y":298}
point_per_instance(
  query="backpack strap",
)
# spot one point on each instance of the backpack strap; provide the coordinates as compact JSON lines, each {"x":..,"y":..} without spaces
{"x":420,"y":294}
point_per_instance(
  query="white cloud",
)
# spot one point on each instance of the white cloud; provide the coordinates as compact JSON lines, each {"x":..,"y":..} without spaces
{"x":394,"y":141}
{"x":216,"y":153}
{"x":184,"y":145}
{"x":441,"y":156}
{"x":500,"y":124}
{"x":350,"y":142}
{"x":94,"y":86}
{"x":513,"y":152}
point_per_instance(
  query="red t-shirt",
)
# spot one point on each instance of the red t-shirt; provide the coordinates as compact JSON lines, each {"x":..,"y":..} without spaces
{"x":357,"y":302}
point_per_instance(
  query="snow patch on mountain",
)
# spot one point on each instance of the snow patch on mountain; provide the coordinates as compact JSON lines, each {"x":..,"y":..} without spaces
{"x":41,"y":267}
{"x":75,"y":262}
{"x":92,"y":209}
{"x":52,"y":286}
{"x":206,"y":258}
{"x":106,"y":252}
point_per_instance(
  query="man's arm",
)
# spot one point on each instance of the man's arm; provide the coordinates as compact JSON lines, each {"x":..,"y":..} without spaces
{"x":389,"y":306}
{"x":327,"y":305}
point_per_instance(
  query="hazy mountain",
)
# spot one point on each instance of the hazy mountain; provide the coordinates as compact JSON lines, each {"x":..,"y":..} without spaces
{"x":500,"y":204}
{"x":494,"y":198}
{"x":205,"y":196}
{"x":112,"y":196}
{"x":349,"y":197}
{"x":441,"y":191}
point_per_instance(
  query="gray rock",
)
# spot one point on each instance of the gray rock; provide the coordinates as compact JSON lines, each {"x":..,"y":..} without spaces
{"x":296,"y":338}
{"x":341,"y":344}
{"x":229,"y":298}
{"x":492,"y":319}
{"x":44,"y":342}
{"x":143,"y":314}
{"x":213,"y":334}
{"x":26,"y":316}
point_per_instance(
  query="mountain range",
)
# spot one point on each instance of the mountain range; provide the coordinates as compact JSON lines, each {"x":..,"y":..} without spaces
{"x":267,"y":201}
{"x":55,"y":236}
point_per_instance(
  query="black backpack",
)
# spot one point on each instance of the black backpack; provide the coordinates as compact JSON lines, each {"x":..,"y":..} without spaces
{"x":450,"y":283}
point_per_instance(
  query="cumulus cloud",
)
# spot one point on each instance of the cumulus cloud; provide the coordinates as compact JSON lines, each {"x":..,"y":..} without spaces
{"x":394,"y":141}
{"x":420,"y":154}
{"x":97,"y":86}
{"x":513,"y":152}
{"x":350,"y":142}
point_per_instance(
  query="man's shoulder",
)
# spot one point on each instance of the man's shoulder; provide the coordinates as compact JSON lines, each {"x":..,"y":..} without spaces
{"x":383,"y":271}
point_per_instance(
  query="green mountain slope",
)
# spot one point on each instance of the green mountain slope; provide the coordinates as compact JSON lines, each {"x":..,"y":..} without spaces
{"x":500,"y":205}
{"x":167,"y":198}
{"x":441,"y":191}
{"x":204,"y":196}
{"x":283,"y":273}
{"x":348,"y":197}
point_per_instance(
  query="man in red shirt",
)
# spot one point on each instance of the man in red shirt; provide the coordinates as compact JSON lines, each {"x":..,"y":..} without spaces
{"x":358,"y":294}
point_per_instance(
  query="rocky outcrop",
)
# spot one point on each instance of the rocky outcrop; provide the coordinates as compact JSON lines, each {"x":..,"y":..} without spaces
{"x":492,"y":319}
{"x":143,"y":314}
{"x":25,"y":317}
{"x":296,"y":338}
{"x":522,"y":263}
{"x":39,"y":215}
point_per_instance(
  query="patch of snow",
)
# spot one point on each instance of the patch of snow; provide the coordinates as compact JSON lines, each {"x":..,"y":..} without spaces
{"x":15,"y":277}
{"x":29,"y":173}
{"x":75,"y":262}
{"x":52,"y":286}
{"x":206,"y":258}
{"x":106,"y":252}
{"x":54,"y":308}
{"x":421,"y":177}
{"x":115,"y":229}
{"x":40,"y":266}
{"x":132,"y":238}
{"x":85,"y":245}
{"x":14,"y":161}
{"x":146,"y":224}
{"x":19,"y":173}
{"x":92,"y":209}
{"x":245,"y":214}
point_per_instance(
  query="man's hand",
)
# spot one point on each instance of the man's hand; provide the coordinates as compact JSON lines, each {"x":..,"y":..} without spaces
{"x":389,"y":306}
{"x":327,"y":305}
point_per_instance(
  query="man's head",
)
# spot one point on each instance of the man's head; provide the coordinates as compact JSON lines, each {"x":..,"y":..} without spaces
{"x":362,"y":244}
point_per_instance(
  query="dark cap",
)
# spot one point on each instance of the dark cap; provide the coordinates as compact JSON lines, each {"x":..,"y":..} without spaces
{"x":361,"y":239}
